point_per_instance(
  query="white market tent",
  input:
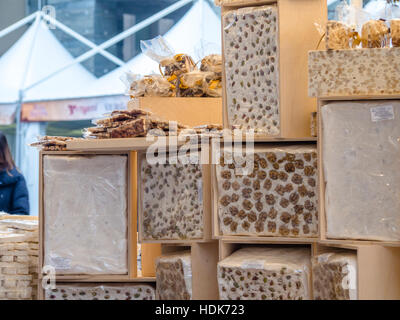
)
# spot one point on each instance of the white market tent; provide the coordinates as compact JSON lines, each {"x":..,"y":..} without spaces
{"x":35,"y":54}
{"x":37,"y":71}
{"x":197,"y":33}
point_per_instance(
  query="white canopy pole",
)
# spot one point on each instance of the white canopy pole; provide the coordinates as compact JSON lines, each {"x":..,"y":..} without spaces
{"x":117,"y":38}
{"x":82,"y":39}
{"x":21,"y":95}
{"x":17,"y":24}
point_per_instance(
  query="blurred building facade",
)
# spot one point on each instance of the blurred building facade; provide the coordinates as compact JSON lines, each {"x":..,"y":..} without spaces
{"x":99,"y":20}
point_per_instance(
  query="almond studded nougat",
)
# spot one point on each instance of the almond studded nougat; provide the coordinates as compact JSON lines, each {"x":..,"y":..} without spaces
{"x":335,"y":276}
{"x":277,"y":198}
{"x":252,"y":68}
{"x":174,"y":276}
{"x":353,"y":72}
{"x":172,"y":200}
{"x":257,"y":273}
{"x":98,"y":291}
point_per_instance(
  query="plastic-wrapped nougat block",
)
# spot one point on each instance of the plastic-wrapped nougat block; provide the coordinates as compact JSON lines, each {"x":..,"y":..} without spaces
{"x":250,"y":39}
{"x":335,"y":276}
{"x":361,"y":160}
{"x":85,"y":210}
{"x":269,"y":192}
{"x":84,"y":291}
{"x":172,"y":200}
{"x":174,"y":276}
{"x":265,"y":274}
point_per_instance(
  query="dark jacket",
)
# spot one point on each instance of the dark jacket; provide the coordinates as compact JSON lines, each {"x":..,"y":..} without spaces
{"x":14,"y":198}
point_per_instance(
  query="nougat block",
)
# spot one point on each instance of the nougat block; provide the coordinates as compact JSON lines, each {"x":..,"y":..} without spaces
{"x":335,"y":276}
{"x":250,"y":40}
{"x":174,"y":276}
{"x":172,"y":200}
{"x":361,"y":160}
{"x":85,"y":210}
{"x":257,"y":273}
{"x":98,"y":291}
{"x":270,"y":191}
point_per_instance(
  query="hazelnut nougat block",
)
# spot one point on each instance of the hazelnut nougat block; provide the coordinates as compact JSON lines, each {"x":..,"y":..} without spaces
{"x":257,"y":273}
{"x":335,"y":275}
{"x":277,"y":198}
{"x":361,"y":161}
{"x":174,"y":276}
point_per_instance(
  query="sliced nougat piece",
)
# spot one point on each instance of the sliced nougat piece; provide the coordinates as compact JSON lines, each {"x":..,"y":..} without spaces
{"x":335,"y":275}
{"x":174,"y":276}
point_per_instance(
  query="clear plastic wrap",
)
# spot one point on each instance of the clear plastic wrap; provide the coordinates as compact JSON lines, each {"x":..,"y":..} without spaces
{"x":85,"y":210}
{"x":172,"y":200}
{"x":213,"y":85}
{"x":200,"y":84}
{"x":160,"y":51}
{"x":174,"y":276}
{"x":394,"y":24}
{"x":361,"y":158}
{"x":212,"y":63}
{"x":250,"y":39}
{"x":150,"y":86}
{"x":257,"y":273}
{"x":335,"y":275}
{"x":278,"y":198}
{"x":339,"y":32}
{"x":193,"y":84}
{"x":395,"y":32}
{"x":172,"y":65}
{"x":96,"y":291}
{"x":338,"y":35}
{"x":374,"y":34}
{"x":157,"y":49}
{"x":354,"y":27}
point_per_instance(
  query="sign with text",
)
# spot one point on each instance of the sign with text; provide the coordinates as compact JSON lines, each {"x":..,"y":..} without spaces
{"x":7,"y":113}
{"x":75,"y":109}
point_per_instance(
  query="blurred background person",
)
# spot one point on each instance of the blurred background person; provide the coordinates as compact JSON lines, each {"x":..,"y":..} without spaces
{"x":14,"y":197}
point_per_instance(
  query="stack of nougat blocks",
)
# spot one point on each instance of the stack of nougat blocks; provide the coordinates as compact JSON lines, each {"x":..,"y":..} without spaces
{"x":18,"y":259}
